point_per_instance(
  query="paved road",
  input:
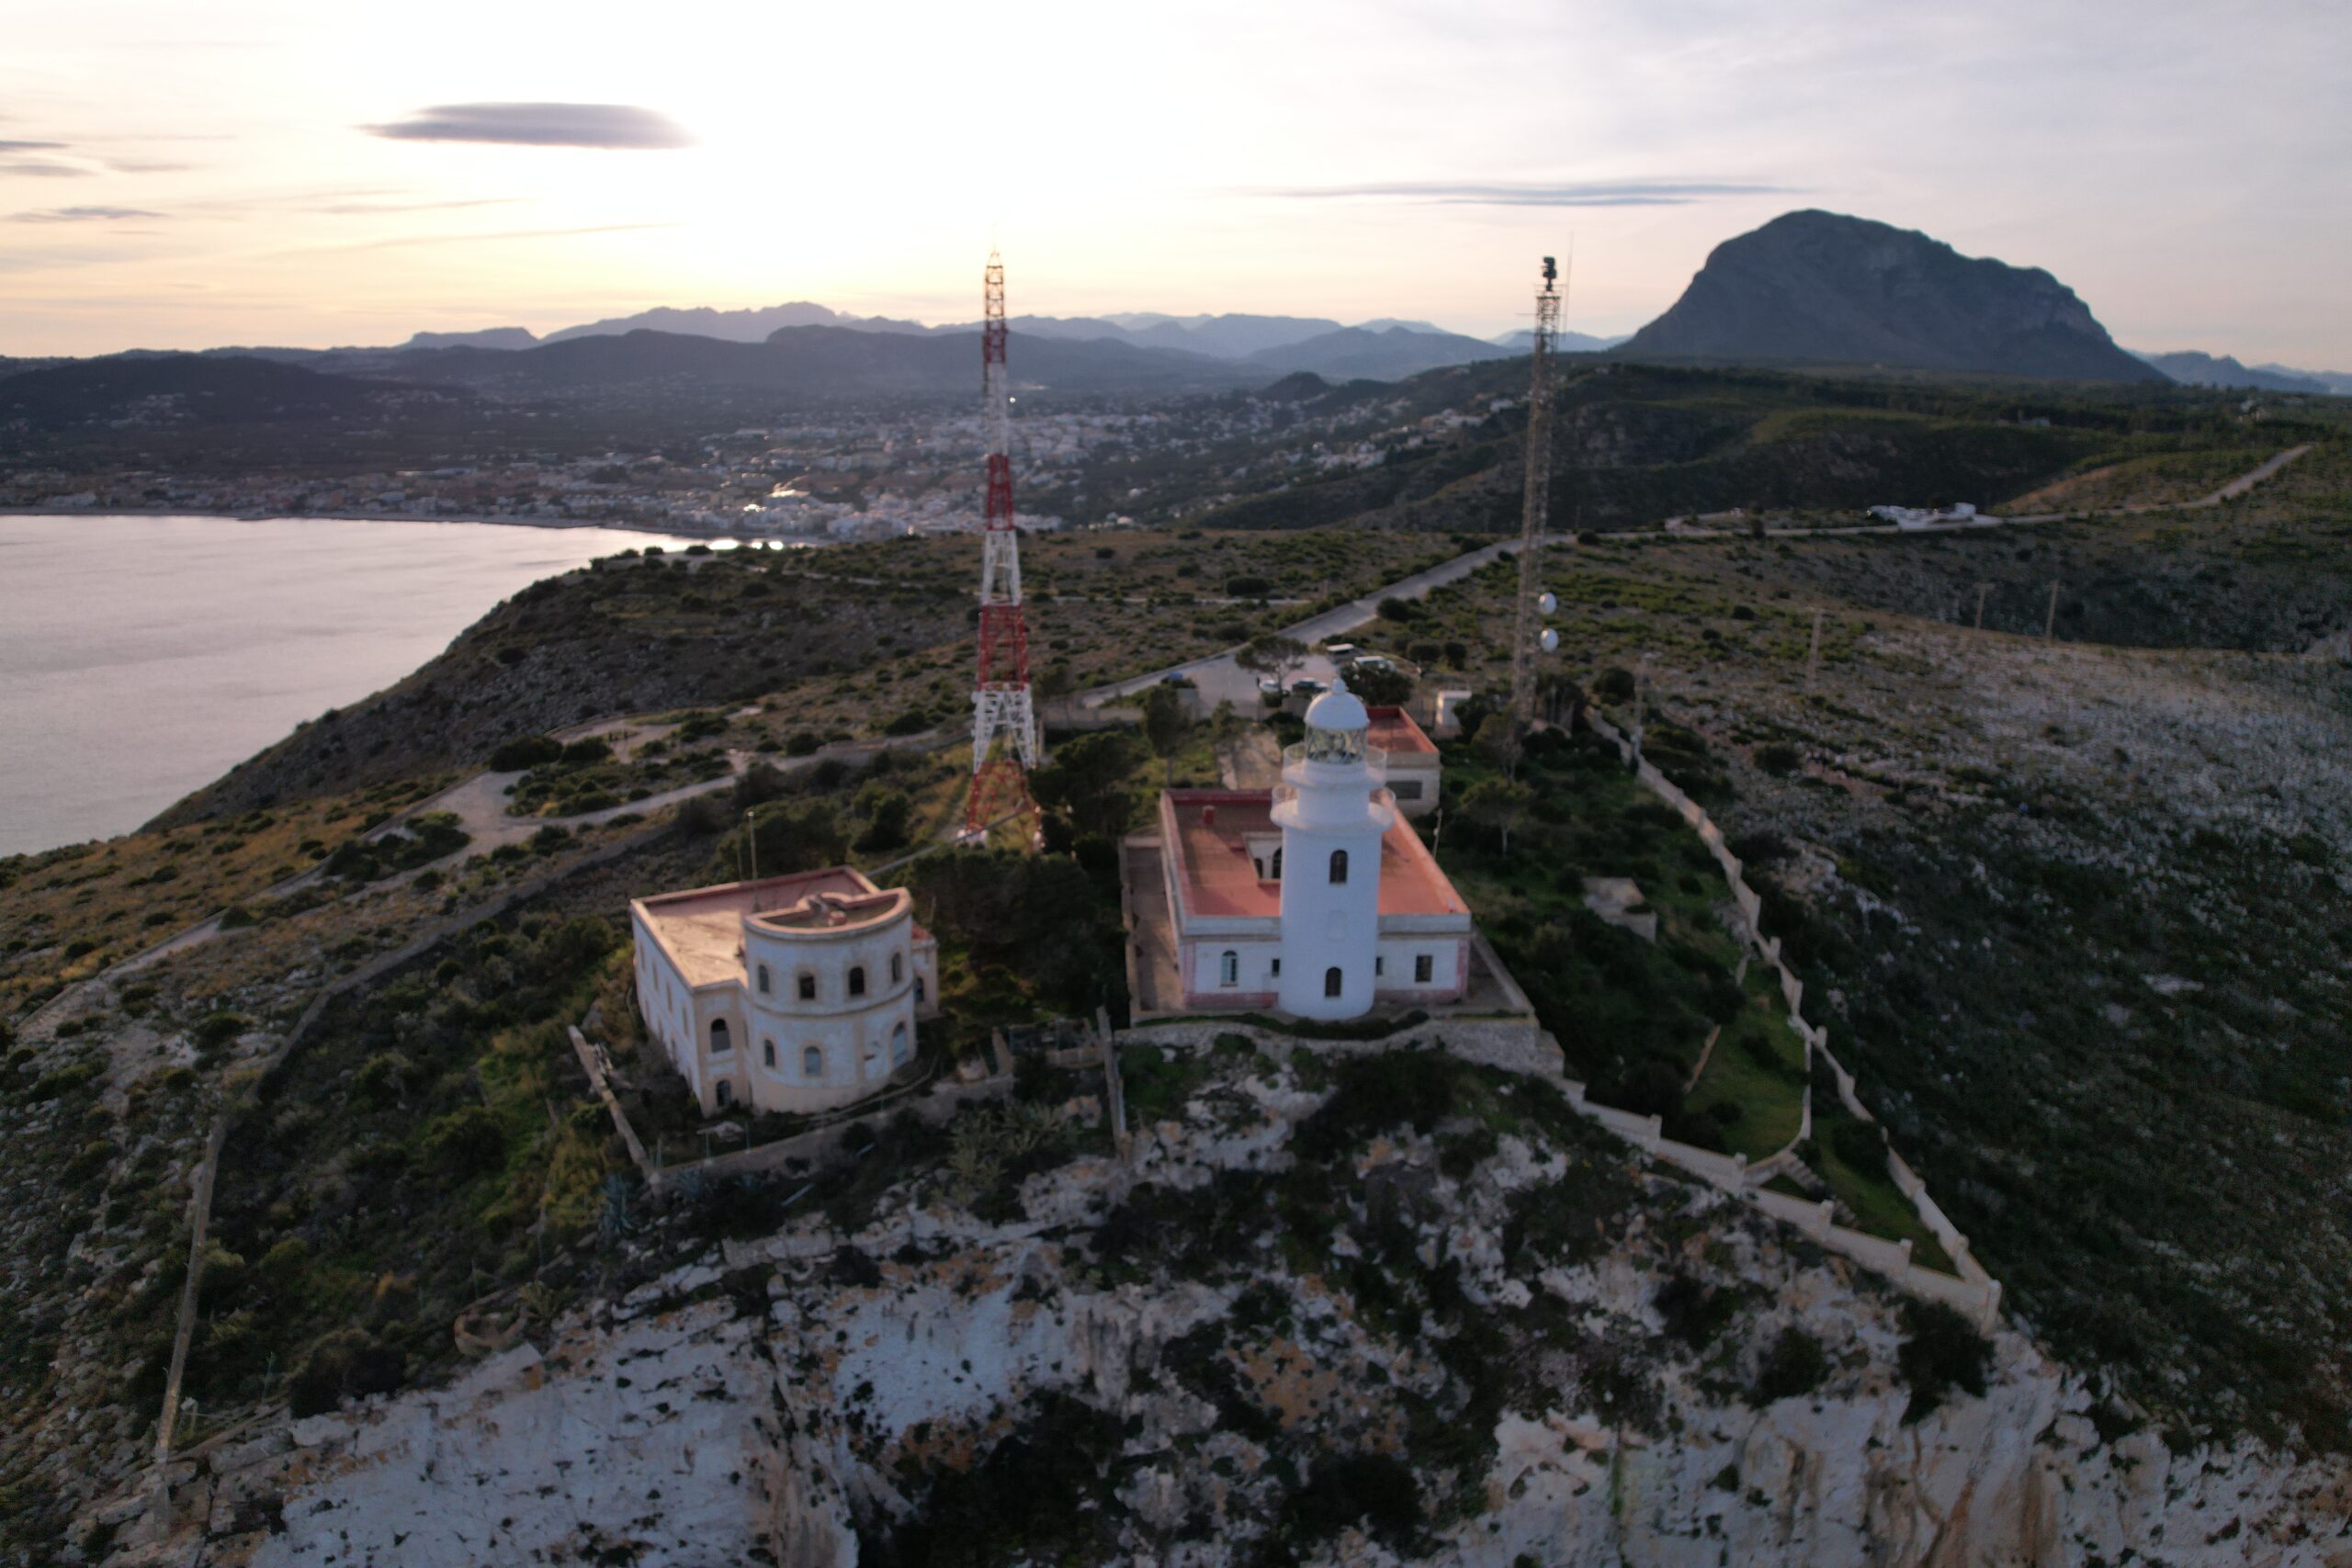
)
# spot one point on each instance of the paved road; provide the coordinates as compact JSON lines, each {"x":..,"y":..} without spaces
{"x":2230,"y":491}
{"x":1220,"y":678}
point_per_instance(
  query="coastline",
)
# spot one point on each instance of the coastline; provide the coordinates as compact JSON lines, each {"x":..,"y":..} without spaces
{"x":560,"y":525}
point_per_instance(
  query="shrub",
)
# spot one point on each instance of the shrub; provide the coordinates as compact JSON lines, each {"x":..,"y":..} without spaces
{"x":218,"y":1029}
{"x":466,"y":1142}
{"x":1793,"y":1367}
{"x":1941,"y":1351}
{"x":349,"y":1363}
{"x":527,"y":752}
{"x":1374,"y":1490}
{"x":1779,"y":757}
{"x":1860,"y":1144}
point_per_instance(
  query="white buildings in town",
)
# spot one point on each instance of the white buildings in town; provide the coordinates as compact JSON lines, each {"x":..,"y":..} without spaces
{"x":792,"y":993}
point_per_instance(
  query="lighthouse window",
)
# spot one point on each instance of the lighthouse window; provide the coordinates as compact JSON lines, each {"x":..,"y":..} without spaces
{"x":1229,"y":968}
{"x":1339,"y":867}
{"x":807,"y":987}
{"x":764,"y":980}
{"x":857,"y":980}
{"x":812,"y":1064}
{"x":1330,"y":982}
{"x":898,"y":968}
{"x":767,"y":1054}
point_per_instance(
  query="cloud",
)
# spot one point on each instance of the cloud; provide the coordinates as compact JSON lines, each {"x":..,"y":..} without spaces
{"x":134,"y":166}
{"x":46,"y":171}
{"x":354,"y":208}
{"x":82,"y":215}
{"x":499,"y":234}
{"x":31,"y":146}
{"x":1581,"y":193}
{"x":540,"y":125}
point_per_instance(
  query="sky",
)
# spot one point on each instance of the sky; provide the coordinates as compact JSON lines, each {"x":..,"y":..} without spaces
{"x":253,"y":172}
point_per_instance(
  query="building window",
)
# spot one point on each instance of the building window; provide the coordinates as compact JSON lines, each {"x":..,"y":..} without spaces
{"x":808,"y":987}
{"x":1229,"y":968}
{"x":1379,"y":966}
{"x":812,"y":1064}
{"x":1276,"y":969}
{"x":1405,"y":789}
{"x":1330,"y":982}
{"x":720,"y":1043}
{"x":899,"y":1045}
{"x":767,"y":1054}
{"x":917,"y":990}
{"x":898,"y":968}
{"x":726,"y":1094}
{"x":1423,"y":967}
{"x":857,"y":980}
{"x":764,"y":980}
{"x":1339,"y":867}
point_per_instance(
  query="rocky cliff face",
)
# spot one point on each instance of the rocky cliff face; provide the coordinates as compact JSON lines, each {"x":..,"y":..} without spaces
{"x":1823,"y":288}
{"x":1509,"y":1345}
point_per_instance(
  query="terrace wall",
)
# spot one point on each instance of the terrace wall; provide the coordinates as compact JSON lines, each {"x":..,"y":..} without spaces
{"x":1971,"y":1290}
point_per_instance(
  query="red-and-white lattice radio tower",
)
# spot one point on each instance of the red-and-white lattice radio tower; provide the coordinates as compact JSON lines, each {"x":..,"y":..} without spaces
{"x":1004,"y":723}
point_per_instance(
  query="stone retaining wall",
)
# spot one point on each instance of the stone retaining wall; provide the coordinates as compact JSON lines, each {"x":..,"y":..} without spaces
{"x":1971,"y":1290}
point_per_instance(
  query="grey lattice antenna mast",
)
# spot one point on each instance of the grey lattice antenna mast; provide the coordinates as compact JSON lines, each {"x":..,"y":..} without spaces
{"x":1539,"y":500}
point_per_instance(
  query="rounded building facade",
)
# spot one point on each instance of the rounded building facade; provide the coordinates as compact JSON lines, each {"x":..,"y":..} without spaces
{"x":798,"y":993}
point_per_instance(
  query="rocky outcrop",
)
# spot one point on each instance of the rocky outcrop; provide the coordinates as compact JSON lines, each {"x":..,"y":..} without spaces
{"x":798,"y":1399}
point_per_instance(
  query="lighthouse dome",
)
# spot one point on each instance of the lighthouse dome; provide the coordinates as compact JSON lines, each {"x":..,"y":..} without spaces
{"x":1336,"y":727}
{"x":1338,"y":709}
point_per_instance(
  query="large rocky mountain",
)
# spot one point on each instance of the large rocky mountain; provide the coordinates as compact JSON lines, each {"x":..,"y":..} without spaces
{"x":1820,"y":287}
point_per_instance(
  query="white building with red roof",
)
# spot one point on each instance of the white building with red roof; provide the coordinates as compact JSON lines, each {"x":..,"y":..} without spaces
{"x":1316,"y":897}
{"x":791,"y":993}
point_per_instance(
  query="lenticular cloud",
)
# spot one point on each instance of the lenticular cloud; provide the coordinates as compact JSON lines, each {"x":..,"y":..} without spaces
{"x":540,"y":125}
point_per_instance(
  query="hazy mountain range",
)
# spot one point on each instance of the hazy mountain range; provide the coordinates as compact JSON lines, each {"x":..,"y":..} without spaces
{"x":1808,"y":288}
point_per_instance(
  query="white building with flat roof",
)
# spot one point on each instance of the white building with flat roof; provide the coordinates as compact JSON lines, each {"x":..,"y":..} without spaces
{"x":792,"y":993}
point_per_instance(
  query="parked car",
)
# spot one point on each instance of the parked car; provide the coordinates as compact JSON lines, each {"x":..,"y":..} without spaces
{"x":1308,"y":688}
{"x":1269,"y":687}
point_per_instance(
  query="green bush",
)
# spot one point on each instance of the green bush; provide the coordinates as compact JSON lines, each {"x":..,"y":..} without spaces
{"x":1941,"y":1351}
{"x":528,"y":751}
{"x":465,"y":1142}
{"x":1793,"y":1367}
{"x":349,"y":1363}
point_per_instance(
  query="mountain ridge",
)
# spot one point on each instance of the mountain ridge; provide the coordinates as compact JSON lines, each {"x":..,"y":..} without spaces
{"x":1826,"y":288}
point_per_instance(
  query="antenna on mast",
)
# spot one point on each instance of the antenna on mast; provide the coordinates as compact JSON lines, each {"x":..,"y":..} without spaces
{"x":1531,"y":636}
{"x":1001,"y":701}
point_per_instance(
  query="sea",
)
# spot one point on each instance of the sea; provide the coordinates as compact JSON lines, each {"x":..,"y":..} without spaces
{"x":141,"y":657}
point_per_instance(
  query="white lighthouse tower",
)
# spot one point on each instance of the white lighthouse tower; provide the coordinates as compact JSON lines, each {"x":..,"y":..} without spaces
{"x":1333,"y":809}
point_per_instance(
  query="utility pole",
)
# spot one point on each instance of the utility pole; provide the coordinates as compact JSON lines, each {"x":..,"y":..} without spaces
{"x":1813,"y":660}
{"x":752,"y":839}
{"x":2049,"y":625}
{"x":1537,"y":499}
{"x":1641,"y":706}
{"x":1981,"y":589}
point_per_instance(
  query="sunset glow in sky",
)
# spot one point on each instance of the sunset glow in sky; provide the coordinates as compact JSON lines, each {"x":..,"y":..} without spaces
{"x":182,"y":176}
